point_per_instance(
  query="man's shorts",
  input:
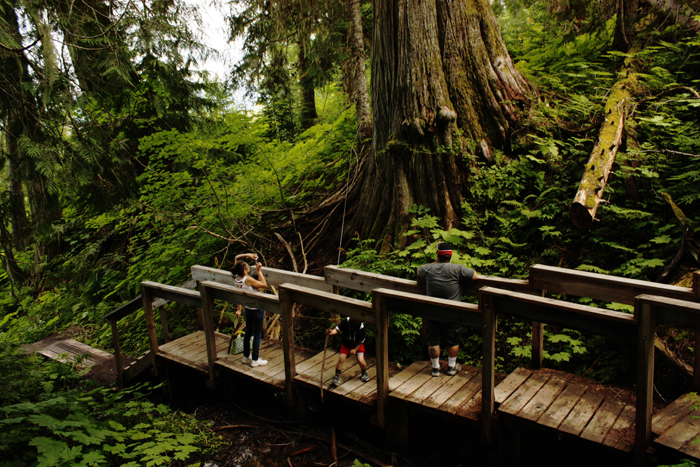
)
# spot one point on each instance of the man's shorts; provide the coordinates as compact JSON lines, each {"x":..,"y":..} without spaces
{"x":344,"y":349}
{"x":443,"y":334}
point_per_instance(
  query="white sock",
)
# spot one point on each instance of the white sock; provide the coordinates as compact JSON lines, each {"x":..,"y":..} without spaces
{"x":451,"y":361}
{"x":436,"y":362}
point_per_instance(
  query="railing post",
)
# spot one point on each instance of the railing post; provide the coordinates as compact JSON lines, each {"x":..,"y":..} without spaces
{"x":150,"y":325}
{"x":488,"y":314}
{"x":209,"y":335}
{"x":382,"y":339}
{"x":287,"y":310}
{"x":118,"y":358}
{"x":537,"y":345}
{"x":645,"y":377}
{"x":164,"y":323}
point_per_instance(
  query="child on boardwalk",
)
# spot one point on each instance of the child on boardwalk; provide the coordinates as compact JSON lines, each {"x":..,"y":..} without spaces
{"x":352,"y":342}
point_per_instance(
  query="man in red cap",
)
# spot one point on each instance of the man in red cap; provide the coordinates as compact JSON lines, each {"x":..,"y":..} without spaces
{"x":443,"y":279}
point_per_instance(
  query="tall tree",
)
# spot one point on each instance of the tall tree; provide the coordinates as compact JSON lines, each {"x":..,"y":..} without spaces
{"x":443,"y":87}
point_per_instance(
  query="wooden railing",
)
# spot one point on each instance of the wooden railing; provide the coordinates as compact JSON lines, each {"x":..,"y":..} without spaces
{"x":126,"y":373}
{"x":653,"y":304}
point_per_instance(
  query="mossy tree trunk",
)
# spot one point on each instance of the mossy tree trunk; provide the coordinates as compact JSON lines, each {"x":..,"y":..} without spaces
{"x":356,"y":72}
{"x":597,"y":169}
{"x":443,"y":87}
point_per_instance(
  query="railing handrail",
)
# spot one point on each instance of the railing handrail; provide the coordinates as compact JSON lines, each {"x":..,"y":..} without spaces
{"x":437,"y":309}
{"x":602,"y":286}
{"x":330,"y":302}
{"x":252,"y":299}
{"x":274,"y":277}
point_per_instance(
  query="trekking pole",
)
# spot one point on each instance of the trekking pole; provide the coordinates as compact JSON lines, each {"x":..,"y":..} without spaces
{"x":323,"y":365}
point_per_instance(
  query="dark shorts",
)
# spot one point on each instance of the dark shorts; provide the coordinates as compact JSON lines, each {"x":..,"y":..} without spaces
{"x":346,"y":350}
{"x":443,"y":334}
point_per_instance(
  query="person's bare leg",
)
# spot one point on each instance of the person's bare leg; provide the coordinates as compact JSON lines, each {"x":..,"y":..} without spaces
{"x":361,"y":361}
{"x":341,"y":361}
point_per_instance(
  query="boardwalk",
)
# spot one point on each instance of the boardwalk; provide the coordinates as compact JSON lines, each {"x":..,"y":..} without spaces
{"x":548,"y":400}
{"x":527,"y":398}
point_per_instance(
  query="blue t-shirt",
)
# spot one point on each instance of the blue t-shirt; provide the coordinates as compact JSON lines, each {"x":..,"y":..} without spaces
{"x":445,"y":280}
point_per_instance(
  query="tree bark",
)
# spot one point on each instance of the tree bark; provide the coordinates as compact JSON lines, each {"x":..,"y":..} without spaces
{"x":357,"y":72}
{"x":625,"y":29}
{"x":441,"y":78}
{"x":306,"y":82}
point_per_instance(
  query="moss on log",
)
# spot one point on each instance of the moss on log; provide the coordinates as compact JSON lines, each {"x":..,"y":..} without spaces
{"x":597,"y":170}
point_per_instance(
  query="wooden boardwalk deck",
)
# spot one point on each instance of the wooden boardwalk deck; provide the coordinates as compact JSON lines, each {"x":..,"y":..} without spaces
{"x":678,"y":426}
{"x":70,"y":350}
{"x":550,"y":401}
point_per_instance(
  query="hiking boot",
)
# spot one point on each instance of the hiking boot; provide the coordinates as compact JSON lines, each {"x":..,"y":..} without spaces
{"x":453,"y":370}
{"x":258,"y":362}
{"x":365,"y":377}
{"x":245,"y":360}
{"x":436,"y":372}
{"x":335,"y":380}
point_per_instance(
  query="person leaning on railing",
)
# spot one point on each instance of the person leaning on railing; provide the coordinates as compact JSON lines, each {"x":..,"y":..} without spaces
{"x":443,"y":279}
{"x":254,"y":317}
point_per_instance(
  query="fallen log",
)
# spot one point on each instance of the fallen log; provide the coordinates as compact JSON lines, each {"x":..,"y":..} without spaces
{"x":597,"y":170}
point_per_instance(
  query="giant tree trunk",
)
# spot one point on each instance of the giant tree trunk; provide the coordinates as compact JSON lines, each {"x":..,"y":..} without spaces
{"x":357,"y":72}
{"x":441,"y":76}
{"x":306,"y":82}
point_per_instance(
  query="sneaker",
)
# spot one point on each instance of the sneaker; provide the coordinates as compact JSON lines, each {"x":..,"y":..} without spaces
{"x":258,"y":362}
{"x":453,"y":370}
{"x":365,"y":377}
{"x":245,"y":360}
{"x":436,"y":372}
{"x":335,"y":380}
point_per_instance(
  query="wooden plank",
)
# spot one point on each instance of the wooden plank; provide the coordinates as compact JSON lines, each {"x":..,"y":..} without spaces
{"x":566,"y":314}
{"x":406,"y":374}
{"x":361,"y":390}
{"x":600,"y":286}
{"x":264,"y":301}
{"x":471,"y":409}
{"x":304,"y":366}
{"x":681,"y":433}
{"x":619,"y":436}
{"x":562,"y":406}
{"x":437,"y":309}
{"x":173,"y":293}
{"x":202,"y":368}
{"x":363,"y":281}
{"x":273,"y":276}
{"x":331,"y":303}
{"x":524,"y":394}
{"x":426,"y":390}
{"x":510,"y":384}
{"x":537,"y":406}
{"x":466,"y":392}
{"x":603,"y":420}
{"x":356,"y":383}
{"x":412,"y":384}
{"x":692,"y":448}
{"x":448,"y":389}
{"x":674,"y":412}
{"x":124,"y":310}
{"x":670,"y":312}
{"x":582,"y":413}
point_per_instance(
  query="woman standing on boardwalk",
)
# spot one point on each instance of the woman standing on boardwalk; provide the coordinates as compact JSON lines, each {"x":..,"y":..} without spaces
{"x":254,"y":317}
